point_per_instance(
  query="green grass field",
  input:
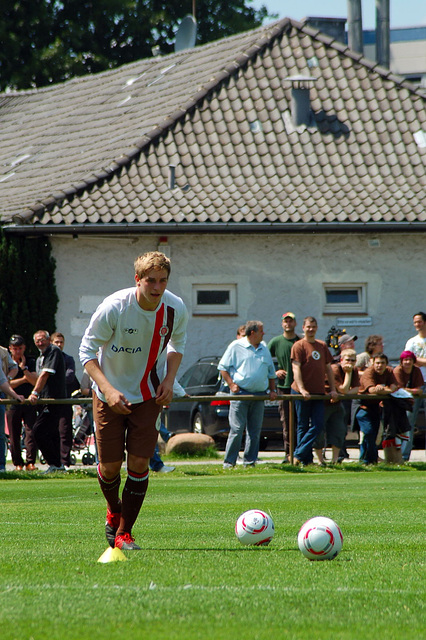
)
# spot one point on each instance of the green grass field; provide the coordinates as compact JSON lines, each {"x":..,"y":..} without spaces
{"x":194,"y":580}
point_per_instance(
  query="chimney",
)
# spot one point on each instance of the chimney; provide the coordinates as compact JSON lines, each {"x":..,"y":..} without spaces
{"x":383,"y":33}
{"x":355,"y":40}
{"x":300,"y":100}
{"x":333,"y":27}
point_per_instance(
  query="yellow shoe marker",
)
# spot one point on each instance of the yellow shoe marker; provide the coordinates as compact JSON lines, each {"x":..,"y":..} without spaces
{"x":112,"y":555}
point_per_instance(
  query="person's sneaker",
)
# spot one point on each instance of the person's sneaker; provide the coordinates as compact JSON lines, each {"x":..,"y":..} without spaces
{"x":31,"y":467}
{"x":166,"y":469}
{"x":126,"y":542}
{"x":53,"y":469}
{"x":111,"y":525}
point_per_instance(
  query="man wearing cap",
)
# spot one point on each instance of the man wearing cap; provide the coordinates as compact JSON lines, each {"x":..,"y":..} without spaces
{"x":346,"y":342}
{"x":280,"y":348}
{"x":19,"y":414}
{"x":417,"y":345}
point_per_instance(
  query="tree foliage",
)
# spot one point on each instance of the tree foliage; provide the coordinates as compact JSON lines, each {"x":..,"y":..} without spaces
{"x":47,"y":41}
{"x":28,"y":298}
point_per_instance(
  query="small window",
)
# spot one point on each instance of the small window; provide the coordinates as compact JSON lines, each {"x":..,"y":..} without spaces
{"x":345,"y":298}
{"x":209,"y":299}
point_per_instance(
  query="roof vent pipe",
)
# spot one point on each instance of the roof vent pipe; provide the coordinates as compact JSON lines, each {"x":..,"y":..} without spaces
{"x":355,"y":40}
{"x":172,"y":176}
{"x":383,"y":33}
{"x":301,"y":113}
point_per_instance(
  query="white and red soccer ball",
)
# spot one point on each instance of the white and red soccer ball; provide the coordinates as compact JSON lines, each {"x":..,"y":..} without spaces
{"x":255,"y":527}
{"x":320,"y":539}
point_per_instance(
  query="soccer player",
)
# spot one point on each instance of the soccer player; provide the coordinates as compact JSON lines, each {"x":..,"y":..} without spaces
{"x":132,"y":350}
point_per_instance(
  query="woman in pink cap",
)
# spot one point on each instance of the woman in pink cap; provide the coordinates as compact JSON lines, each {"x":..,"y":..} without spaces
{"x":410,"y":378}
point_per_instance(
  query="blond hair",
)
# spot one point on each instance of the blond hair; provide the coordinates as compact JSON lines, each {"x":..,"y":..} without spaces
{"x":348,"y":352}
{"x":151,"y":260}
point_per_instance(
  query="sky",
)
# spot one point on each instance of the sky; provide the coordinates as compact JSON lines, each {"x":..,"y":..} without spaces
{"x":403,"y":13}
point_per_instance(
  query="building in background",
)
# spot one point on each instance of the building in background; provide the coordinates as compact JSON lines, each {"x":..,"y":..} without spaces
{"x":278,"y":168}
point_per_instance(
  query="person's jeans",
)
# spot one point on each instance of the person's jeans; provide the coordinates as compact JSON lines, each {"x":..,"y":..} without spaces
{"x":246,"y":415}
{"x":156,"y":463}
{"x":2,"y":438}
{"x":310,"y":423}
{"x":369,"y":423}
{"x":407,"y":446}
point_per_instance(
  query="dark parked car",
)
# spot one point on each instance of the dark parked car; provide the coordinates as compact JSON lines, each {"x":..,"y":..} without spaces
{"x":203,"y":379}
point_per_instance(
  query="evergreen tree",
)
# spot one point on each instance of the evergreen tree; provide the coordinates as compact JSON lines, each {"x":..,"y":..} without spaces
{"x":28,"y":298}
{"x":49,"y":41}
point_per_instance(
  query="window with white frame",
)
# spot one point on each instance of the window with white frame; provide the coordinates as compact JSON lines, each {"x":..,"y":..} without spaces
{"x":214,"y":299}
{"x":345,"y":298}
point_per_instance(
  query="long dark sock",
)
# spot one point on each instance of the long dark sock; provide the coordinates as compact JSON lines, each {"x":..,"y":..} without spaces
{"x":110,"y":488}
{"x":133,"y":496}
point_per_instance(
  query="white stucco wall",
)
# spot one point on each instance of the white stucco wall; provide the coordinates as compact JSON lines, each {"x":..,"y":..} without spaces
{"x":273,"y":273}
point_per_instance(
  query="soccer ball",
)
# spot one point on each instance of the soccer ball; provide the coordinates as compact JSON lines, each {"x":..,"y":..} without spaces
{"x":255,"y":527}
{"x":320,"y":539}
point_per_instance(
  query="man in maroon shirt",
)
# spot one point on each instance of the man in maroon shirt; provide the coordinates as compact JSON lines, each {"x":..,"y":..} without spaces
{"x":311,"y":362}
{"x":377,"y":380}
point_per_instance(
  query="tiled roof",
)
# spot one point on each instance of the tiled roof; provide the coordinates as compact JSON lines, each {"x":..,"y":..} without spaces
{"x":97,"y":150}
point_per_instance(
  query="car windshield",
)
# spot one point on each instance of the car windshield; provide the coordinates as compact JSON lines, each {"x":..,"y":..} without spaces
{"x":202,"y":374}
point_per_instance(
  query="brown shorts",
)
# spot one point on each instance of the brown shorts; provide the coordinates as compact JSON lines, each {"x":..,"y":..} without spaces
{"x":134,"y":432}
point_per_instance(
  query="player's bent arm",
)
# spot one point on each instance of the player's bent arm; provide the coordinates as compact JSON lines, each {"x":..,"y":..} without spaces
{"x":115,"y":399}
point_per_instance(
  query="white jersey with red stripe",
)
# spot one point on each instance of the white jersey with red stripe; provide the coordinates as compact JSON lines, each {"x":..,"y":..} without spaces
{"x":131,"y":344}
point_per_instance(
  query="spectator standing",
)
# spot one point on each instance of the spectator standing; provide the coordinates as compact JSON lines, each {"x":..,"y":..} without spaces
{"x":21,"y":414}
{"x":373,"y":344}
{"x":7,"y":390}
{"x":410,"y":378}
{"x":311,"y":361}
{"x":156,"y":464}
{"x":346,"y":342}
{"x":417,"y":344}
{"x":49,"y":382}
{"x":132,"y":350}
{"x":378,"y":379}
{"x":241,"y":331}
{"x":10,"y":369}
{"x":347,"y":381}
{"x":247,"y":368}
{"x":71,"y":384}
{"x":280,"y":348}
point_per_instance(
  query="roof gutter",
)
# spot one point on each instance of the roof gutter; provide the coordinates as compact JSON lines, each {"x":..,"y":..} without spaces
{"x":221,"y":228}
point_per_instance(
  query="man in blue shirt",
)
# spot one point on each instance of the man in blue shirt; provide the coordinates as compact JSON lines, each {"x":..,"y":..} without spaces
{"x":247,"y":368}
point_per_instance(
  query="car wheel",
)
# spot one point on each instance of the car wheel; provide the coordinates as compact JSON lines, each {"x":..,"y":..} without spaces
{"x":197,"y":423}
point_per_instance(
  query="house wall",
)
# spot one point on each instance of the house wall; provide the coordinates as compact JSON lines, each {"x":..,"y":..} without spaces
{"x":274,"y":273}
